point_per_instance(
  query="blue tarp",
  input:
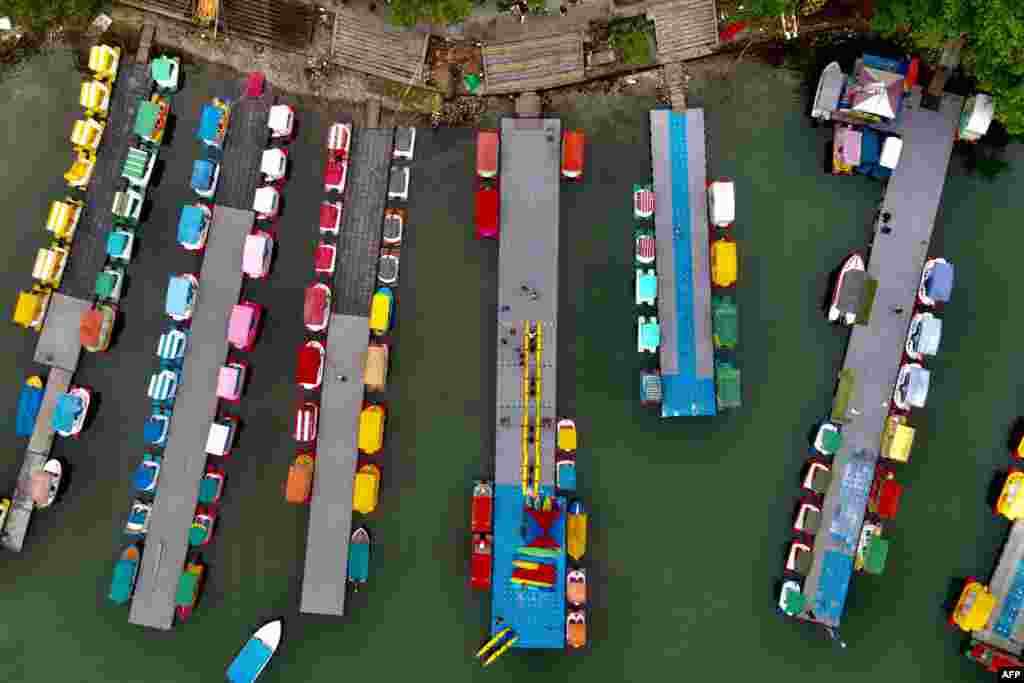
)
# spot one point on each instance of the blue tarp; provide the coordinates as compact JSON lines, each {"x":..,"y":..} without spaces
{"x":209,"y":121}
{"x":202,"y":174}
{"x":68,"y":409}
{"x":249,"y":662}
{"x":939,"y":284}
{"x":179,"y":295}
{"x":29,"y":403}
{"x":191,"y":224}
{"x":117,"y":243}
{"x":836,"y":572}
{"x":896,"y":66}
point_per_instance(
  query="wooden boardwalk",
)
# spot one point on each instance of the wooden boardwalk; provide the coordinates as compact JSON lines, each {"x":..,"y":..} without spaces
{"x":533,"y":64}
{"x":684,"y":29}
{"x":364,"y":43}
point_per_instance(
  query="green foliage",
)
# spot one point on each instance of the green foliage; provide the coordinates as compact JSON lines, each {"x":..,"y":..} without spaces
{"x":759,"y":9}
{"x":409,"y":12}
{"x":40,"y":15}
{"x":994,"y":53}
{"x":808,"y":7}
{"x":991,"y":167}
{"x":630,"y":38}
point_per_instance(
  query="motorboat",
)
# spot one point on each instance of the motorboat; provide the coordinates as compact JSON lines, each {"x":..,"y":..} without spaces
{"x":104,"y":61}
{"x":30,"y":401}
{"x":936,"y":282}
{"x":646,"y":248}
{"x":486,"y":213}
{"x":375,"y":376}
{"x":299,"y":487}
{"x":281,"y":122}
{"x":80,"y":173}
{"x":482,"y":509}
{"x":488,"y":143}
{"x":325,"y":258}
{"x":163,"y":386}
{"x":648,"y":334}
{"x":923,"y":335}
{"x":147,"y":474}
{"x":366,"y":489}
{"x":371,"y":429}
{"x":166,"y":73}
{"x":576,"y":629}
{"x":201,"y":531}
{"x":46,"y":483}
{"x":309,"y":372}
{"x":576,"y":587}
{"x":71,"y":411}
{"x":830,"y":89}
{"x":158,"y":424}
{"x":359,"y":557}
{"x":724,"y":266}
{"x":194,"y":226}
{"x":221,"y":436}
{"x":49,"y":265}
{"x":573,"y":144}
{"x":976,"y":117}
{"x":646,"y":287}
{"x":31,"y":306}
{"x":257,"y":254}
{"x":182,"y":292}
{"x":86,"y":134}
{"x":398,"y":183}
{"x":387,"y":267}
{"x":266,"y":203}
{"x":828,"y":439}
{"x":339,"y":138}
{"x":722,"y":203}
{"x":138,"y":519}
{"x":243,"y":325}
{"x":96,"y":327}
{"x":213,"y":123}
{"x":725,"y":324}
{"x":911,"y":386}
{"x":849,"y":292}
{"x":566,"y":436}
{"x":109,"y":284}
{"x":126,"y":570}
{"x":316,"y":312}
{"x":307,"y":418}
{"x":138,"y":167}
{"x":330,"y":217}
{"x":256,"y":653}
{"x":576,"y":530}
{"x":335,"y":173}
{"x":205,"y":174}
{"x":151,"y":120}
{"x":171,"y":346}
{"x":274,"y":164}
{"x":481,"y":561}
{"x":381,"y":310}
{"x":189,"y":584}
{"x":231,"y":380}
{"x":120,"y":242}
{"x":643,"y":202}
{"x":394,"y":226}
{"x":405,"y":143}
{"x":211,"y":485}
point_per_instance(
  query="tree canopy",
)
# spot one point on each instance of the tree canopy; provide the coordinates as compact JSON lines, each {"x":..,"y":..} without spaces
{"x":994,"y":51}
{"x":409,"y":12}
{"x":40,"y":15}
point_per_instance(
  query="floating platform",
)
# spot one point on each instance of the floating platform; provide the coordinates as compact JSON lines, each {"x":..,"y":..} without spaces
{"x":679,"y":161}
{"x":220,"y":283}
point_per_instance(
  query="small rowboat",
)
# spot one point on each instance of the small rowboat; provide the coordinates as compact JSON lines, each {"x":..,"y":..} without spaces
{"x":256,"y":653}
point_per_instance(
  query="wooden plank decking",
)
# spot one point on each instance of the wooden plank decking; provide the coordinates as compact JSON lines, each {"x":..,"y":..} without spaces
{"x":534,"y":64}
{"x":685,"y":29}
{"x":365,"y":44}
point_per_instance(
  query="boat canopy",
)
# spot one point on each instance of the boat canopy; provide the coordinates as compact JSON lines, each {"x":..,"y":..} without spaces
{"x":939,"y":283}
{"x":487,"y":142}
{"x":359,"y":557}
{"x":191,"y":224}
{"x":210,"y":122}
{"x":727,"y":385}
{"x":203,"y":171}
{"x":180,"y":293}
{"x":724,"y":321}
{"x":723,"y":263}
{"x":916,"y":388}
{"x":646,"y":286}
{"x":188,"y":586}
{"x":29,"y":402}
{"x":69,"y":407}
{"x":927,"y":335}
{"x":875,"y":555}
{"x":249,"y":662}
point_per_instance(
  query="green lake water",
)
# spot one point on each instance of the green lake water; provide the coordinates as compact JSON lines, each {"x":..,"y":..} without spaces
{"x":689,"y":518}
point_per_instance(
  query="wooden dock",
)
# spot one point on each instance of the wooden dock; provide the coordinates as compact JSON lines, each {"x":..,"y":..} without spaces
{"x":684,"y":29}
{"x":533,"y":64}
{"x":365,"y":43}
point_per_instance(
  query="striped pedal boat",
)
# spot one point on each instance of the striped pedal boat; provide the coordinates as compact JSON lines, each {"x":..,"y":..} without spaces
{"x":172,"y":345}
{"x":643,"y":201}
{"x":645,"y":249}
{"x":163,"y":385}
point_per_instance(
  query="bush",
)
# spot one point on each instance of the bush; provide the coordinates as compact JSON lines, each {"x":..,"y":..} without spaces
{"x":630,"y":38}
{"x":40,"y":15}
